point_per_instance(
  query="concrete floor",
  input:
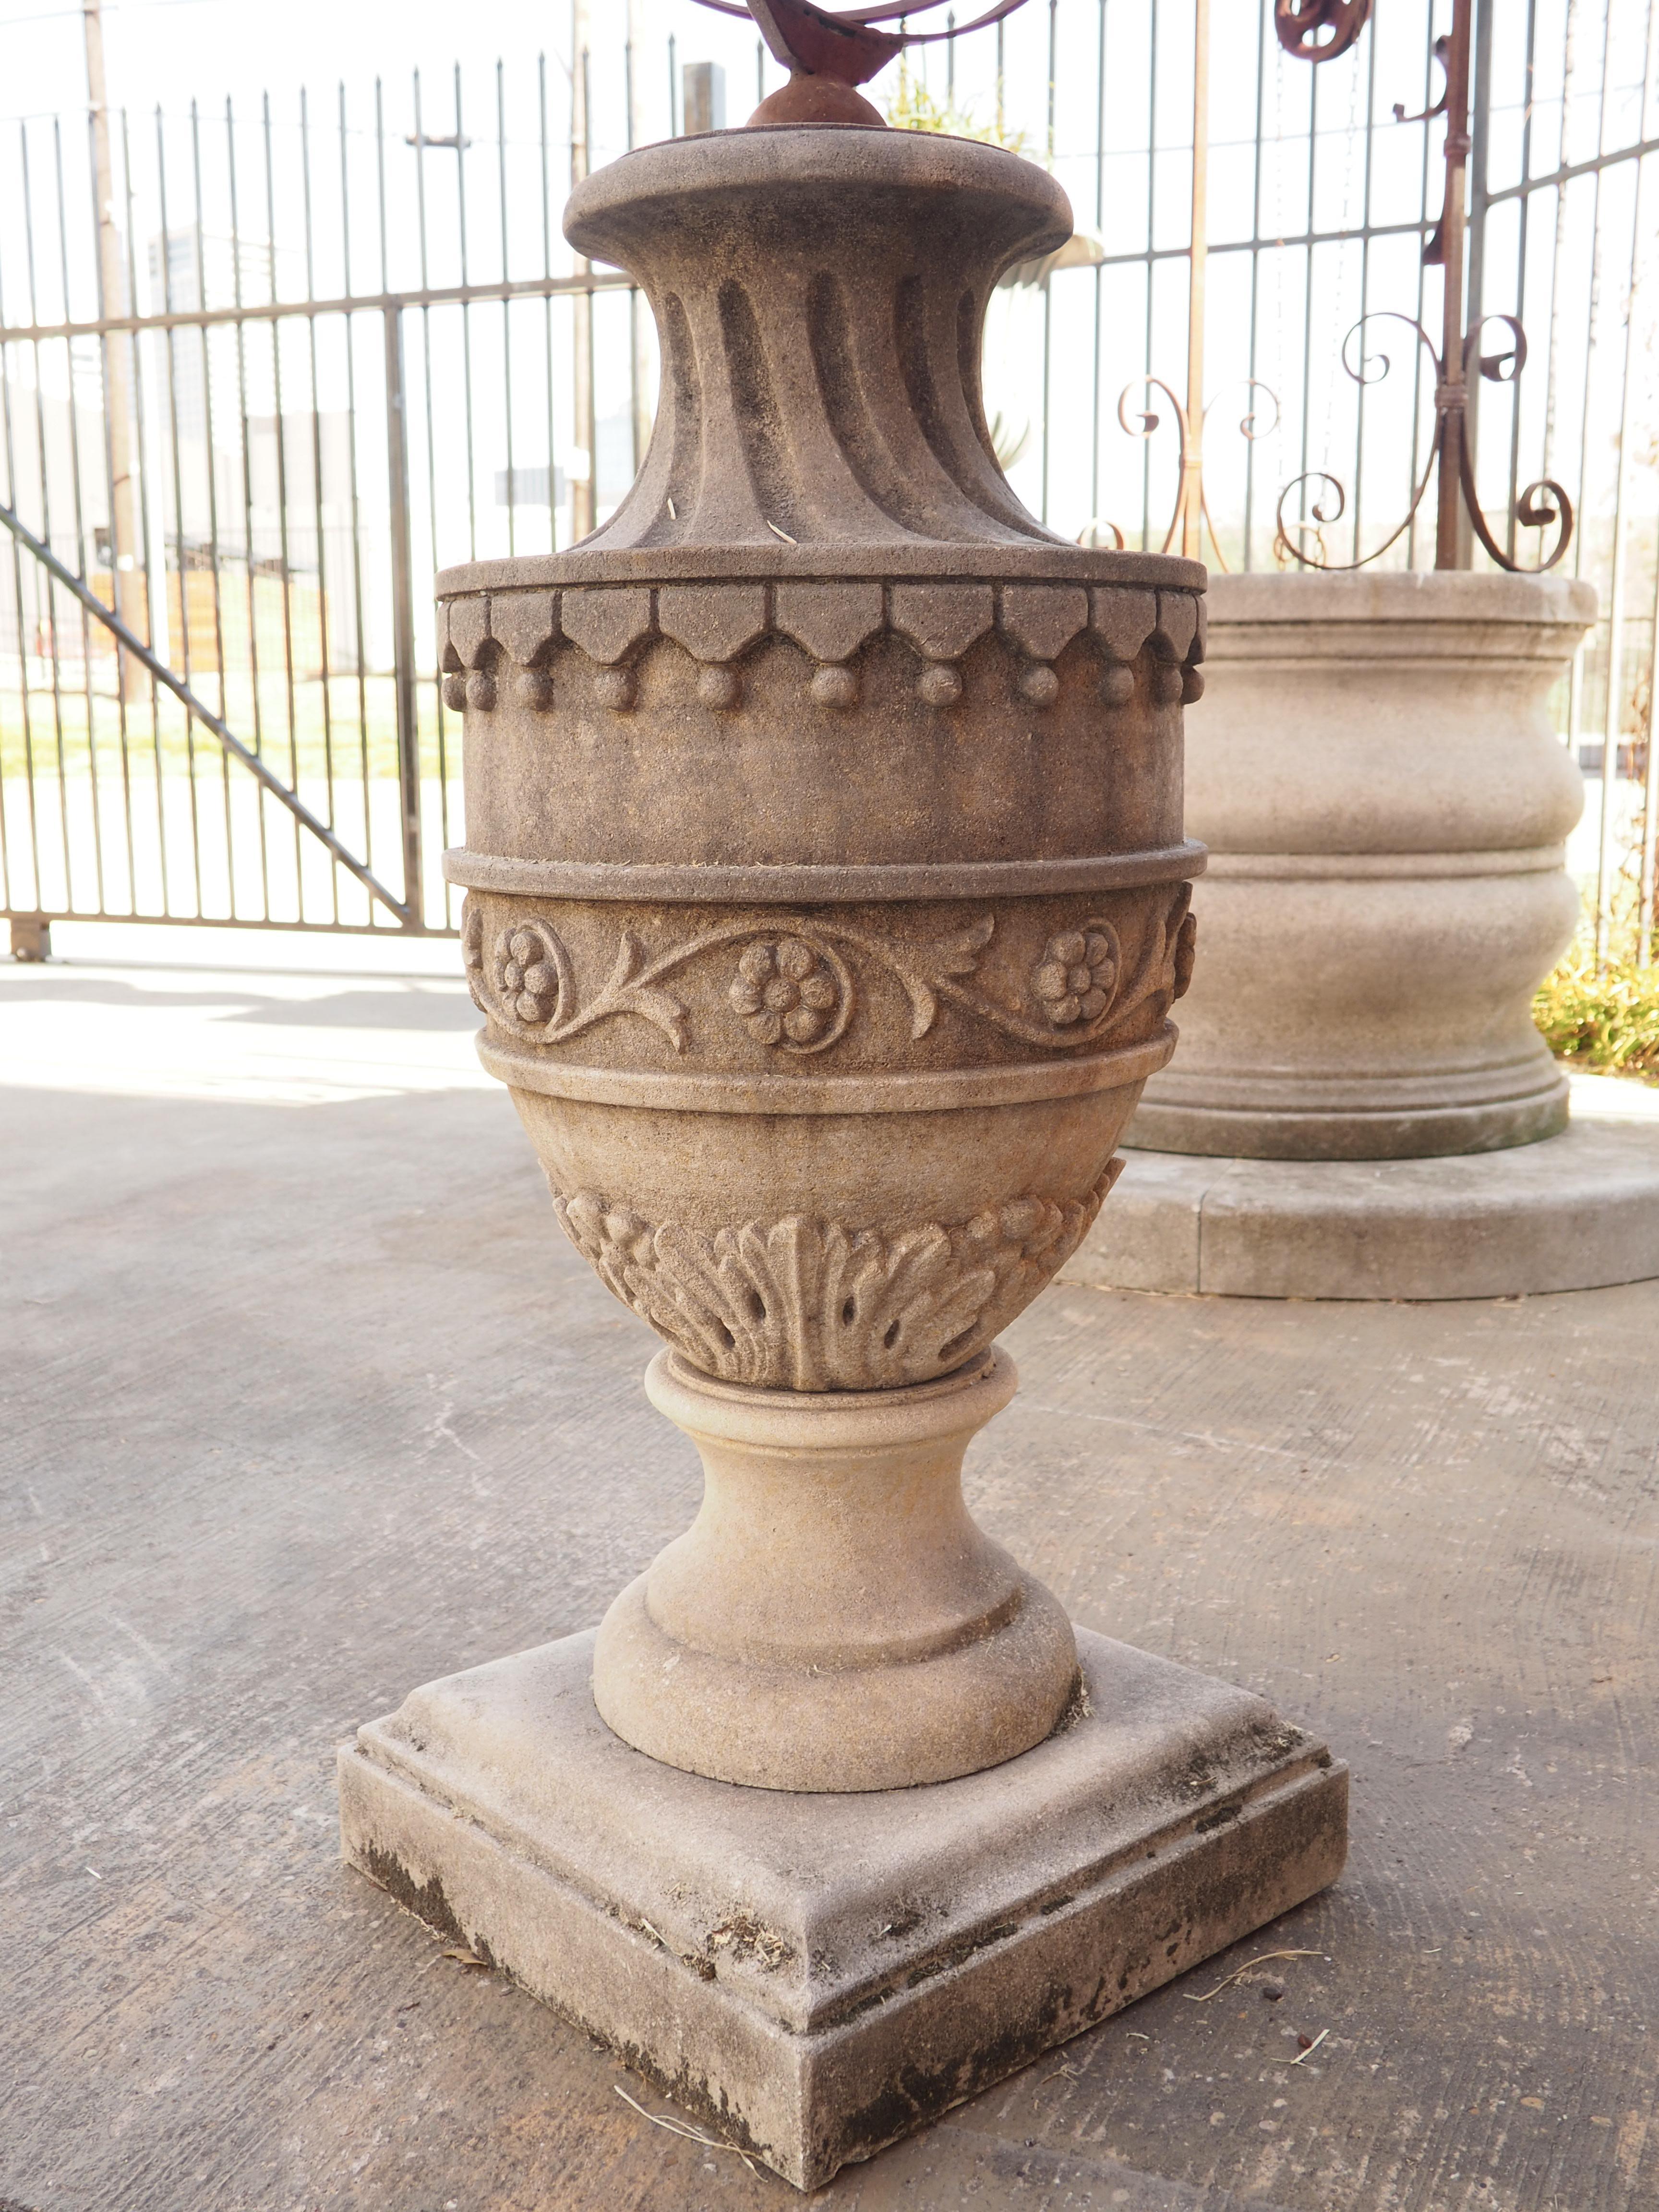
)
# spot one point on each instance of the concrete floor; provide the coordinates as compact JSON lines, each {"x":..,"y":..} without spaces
{"x":303,"y":1400}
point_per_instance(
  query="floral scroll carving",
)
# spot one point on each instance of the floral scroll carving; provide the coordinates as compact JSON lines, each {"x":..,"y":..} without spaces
{"x":795,"y":987}
{"x":803,"y":1304}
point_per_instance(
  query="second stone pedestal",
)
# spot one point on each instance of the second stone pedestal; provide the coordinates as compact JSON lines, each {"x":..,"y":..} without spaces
{"x":1377,"y":776}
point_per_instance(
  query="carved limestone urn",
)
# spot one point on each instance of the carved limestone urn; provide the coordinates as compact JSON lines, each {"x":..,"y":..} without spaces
{"x":827,"y":898}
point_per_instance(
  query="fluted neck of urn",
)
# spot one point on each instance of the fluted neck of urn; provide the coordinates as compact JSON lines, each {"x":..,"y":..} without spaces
{"x":820,"y":295}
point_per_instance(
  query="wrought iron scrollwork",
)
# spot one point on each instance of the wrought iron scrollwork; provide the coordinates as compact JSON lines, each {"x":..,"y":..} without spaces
{"x":1542,"y":505}
{"x":1316,"y":31}
{"x":1189,"y":455}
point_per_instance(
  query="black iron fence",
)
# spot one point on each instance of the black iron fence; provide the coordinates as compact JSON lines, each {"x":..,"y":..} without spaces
{"x":260,"y":376}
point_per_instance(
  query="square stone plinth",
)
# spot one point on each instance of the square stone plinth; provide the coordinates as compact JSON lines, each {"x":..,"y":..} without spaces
{"x":815,"y":1976}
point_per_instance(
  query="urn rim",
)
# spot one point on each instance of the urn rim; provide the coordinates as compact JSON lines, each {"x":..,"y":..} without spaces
{"x":872,"y":159}
{"x":822,"y":560}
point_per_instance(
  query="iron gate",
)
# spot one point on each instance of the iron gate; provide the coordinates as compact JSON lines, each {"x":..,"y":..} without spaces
{"x":225,"y":492}
{"x":259,"y":379}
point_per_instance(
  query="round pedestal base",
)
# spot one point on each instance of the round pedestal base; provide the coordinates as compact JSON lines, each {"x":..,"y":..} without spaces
{"x":869,"y":1728}
{"x":1310,"y":1120}
{"x":833,"y":1620}
{"x":1574,"y":1212}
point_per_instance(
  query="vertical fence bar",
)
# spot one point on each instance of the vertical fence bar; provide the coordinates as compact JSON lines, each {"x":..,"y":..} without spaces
{"x":1253,"y":357}
{"x":255,"y":698}
{"x":507,"y":310}
{"x":466,"y":328}
{"x":1524,"y":215}
{"x":317,"y":497}
{"x":351,"y":466}
{"x":213,"y":561}
{"x":1647,"y":891}
{"x":544,"y":148}
{"x":1613,"y":719}
{"x":12,"y":495}
{"x":107,"y":269}
{"x":85,"y":620}
{"x":140,"y":420}
{"x":1192,"y":488}
{"x":403,"y":619}
{"x":1100,"y":221}
{"x":46,"y":526}
{"x":583,"y":511}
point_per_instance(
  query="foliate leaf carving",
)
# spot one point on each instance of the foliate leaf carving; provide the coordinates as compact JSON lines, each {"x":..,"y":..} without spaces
{"x":804,"y":1304}
{"x":794,"y":990}
{"x":523,"y":980}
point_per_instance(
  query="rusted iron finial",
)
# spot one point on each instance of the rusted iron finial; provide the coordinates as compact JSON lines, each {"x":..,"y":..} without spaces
{"x":1319,"y":30}
{"x":828,"y":55}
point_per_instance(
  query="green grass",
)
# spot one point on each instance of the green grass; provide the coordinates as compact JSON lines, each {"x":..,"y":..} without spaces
{"x":359,"y":742}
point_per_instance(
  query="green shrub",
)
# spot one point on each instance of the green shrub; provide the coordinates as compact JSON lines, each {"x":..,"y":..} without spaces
{"x":1608,"y":1022}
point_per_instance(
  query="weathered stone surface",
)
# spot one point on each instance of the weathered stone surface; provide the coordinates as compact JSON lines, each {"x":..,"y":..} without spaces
{"x":827,"y":1150}
{"x":607,"y":621}
{"x":832,"y":621}
{"x":715,"y":622}
{"x":814,"y":1975}
{"x":851,"y":1662}
{"x":468,"y":629}
{"x":1177,"y":622}
{"x":1377,"y":774}
{"x":527,"y":624}
{"x":1042,"y":619}
{"x":942,"y":620}
{"x":1123,"y":620}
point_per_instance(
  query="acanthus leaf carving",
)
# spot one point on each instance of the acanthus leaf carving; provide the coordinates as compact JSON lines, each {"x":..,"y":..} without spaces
{"x":806,"y":1304}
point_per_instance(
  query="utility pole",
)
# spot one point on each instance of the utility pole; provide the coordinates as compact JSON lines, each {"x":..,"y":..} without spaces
{"x":582,"y":492}
{"x":127,"y":541}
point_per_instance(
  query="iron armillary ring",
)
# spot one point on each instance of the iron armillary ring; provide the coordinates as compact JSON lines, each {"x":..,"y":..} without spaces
{"x":841,"y":43}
